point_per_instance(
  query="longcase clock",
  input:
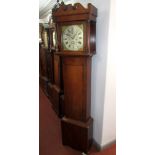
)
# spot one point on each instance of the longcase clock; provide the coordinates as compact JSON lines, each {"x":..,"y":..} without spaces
{"x":76,"y":31}
{"x":43,"y":57}
{"x":55,"y":88}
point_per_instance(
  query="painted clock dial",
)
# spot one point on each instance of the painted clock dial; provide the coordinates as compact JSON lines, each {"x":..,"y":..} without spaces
{"x":72,"y":37}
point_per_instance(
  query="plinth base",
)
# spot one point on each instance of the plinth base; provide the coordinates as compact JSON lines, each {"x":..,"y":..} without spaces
{"x":43,"y":81}
{"x":77,"y":134}
{"x":56,"y":99}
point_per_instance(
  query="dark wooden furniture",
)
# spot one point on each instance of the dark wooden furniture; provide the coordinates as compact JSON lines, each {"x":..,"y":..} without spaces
{"x":55,"y":85}
{"x":43,"y":76}
{"x":50,"y":77}
{"x":43,"y":57}
{"x":77,"y":124}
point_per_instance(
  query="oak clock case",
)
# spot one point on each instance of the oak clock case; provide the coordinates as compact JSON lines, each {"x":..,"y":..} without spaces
{"x":55,"y":89}
{"x":76,"y":29}
{"x":43,"y":51}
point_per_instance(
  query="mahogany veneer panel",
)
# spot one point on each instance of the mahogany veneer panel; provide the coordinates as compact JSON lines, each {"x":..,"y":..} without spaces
{"x":57,"y":70}
{"x":77,"y":83}
{"x":43,"y":62}
{"x":43,"y":83}
{"x":77,"y":134}
{"x":54,"y":96}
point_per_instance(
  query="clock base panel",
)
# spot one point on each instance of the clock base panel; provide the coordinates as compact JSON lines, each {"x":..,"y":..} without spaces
{"x":56,"y":98}
{"x":77,"y":134}
{"x":43,"y":83}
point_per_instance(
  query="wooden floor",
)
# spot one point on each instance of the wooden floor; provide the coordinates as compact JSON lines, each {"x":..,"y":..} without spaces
{"x":50,"y":133}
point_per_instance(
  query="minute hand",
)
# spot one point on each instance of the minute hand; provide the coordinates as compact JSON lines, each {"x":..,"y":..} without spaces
{"x":75,"y":35}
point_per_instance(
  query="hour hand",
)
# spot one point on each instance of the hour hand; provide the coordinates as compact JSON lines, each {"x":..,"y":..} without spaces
{"x":68,"y":35}
{"x":75,"y":35}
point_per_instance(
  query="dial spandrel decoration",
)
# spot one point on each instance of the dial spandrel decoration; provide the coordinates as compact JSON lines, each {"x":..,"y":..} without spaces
{"x":72,"y":37}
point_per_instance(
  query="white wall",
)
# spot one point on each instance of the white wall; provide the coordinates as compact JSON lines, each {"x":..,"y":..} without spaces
{"x":109,"y":119}
{"x":99,"y":68}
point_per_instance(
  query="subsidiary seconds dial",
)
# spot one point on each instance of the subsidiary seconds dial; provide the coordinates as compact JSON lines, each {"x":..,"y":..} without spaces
{"x":72,"y":37}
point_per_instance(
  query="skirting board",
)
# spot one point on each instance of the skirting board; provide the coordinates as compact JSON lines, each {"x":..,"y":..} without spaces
{"x":99,"y":147}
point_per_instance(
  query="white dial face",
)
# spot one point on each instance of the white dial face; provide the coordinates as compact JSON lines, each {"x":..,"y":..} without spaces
{"x":72,"y":37}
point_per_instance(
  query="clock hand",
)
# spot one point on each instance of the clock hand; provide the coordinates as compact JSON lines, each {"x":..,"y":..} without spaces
{"x":75,"y":34}
{"x":68,"y":35}
{"x":72,"y":37}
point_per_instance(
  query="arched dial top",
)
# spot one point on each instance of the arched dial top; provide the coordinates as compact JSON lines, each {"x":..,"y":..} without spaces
{"x":72,"y":37}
